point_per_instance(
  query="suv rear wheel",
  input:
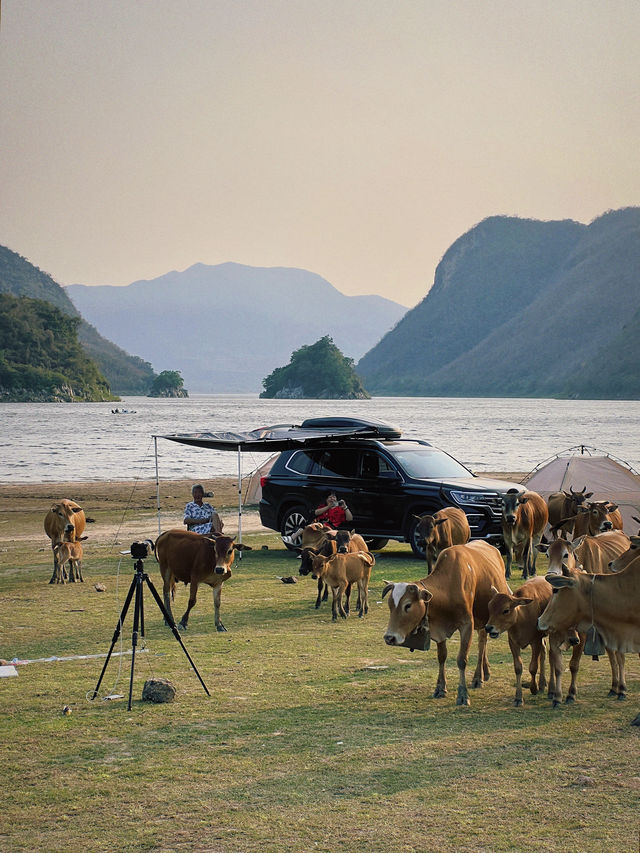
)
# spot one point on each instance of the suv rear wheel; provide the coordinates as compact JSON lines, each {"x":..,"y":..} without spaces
{"x":293,"y":519}
{"x":417,"y":547}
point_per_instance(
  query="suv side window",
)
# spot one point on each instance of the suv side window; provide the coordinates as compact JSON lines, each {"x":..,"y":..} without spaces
{"x":373,"y":465}
{"x":301,"y":462}
{"x":335,"y":463}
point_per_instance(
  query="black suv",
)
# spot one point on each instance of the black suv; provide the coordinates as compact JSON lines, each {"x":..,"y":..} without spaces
{"x":386,"y":481}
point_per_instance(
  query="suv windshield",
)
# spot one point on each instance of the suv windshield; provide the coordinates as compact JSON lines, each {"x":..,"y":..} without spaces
{"x":424,"y":463}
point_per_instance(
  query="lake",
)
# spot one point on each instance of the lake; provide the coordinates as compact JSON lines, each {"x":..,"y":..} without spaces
{"x":55,"y":442}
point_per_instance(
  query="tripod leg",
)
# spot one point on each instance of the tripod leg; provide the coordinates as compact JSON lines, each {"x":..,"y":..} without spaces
{"x":171,"y":623}
{"x":134,"y":636}
{"x":116,"y":634}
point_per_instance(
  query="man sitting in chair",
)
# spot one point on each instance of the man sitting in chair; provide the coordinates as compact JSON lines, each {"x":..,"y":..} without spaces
{"x":201,"y":517}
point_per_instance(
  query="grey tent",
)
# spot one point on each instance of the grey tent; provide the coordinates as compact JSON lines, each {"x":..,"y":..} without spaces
{"x":604,"y":475}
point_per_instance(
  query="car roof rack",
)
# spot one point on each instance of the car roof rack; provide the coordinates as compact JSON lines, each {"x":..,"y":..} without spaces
{"x":364,"y":427}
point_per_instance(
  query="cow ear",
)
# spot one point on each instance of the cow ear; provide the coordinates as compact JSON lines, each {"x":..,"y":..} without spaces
{"x":238,"y":546}
{"x":82,"y":538}
{"x":521,"y":602}
{"x":612,"y":507}
{"x":77,"y":509}
{"x":387,"y":589}
{"x":425,"y":595}
{"x":542,"y":548}
{"x":560,"y":581}
{"x":588,"y":494}
{"x":438,"y":521}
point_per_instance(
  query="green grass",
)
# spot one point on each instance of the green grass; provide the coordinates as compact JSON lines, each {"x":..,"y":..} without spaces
{"x":316,"y":734}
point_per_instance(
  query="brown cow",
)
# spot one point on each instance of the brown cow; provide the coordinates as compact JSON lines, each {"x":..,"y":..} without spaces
{"x":339,"y":572}
{"x":448,"y":526}
{"x":518,"y":614}
{"x":610,"y":603}
{"x":564,"y":555}
{"x":632,"y":553}
{"x":596,"y":517}
{"x":524,"y":518}
{"x":562,"y":507}
{"x":64,"y":521}
{"x":71,"y":553}
{"x":195,"y":559}
{"x":594,"y":553}
{"x":454,"y":597}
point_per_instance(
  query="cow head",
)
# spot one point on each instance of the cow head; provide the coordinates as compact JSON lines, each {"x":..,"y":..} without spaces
{"x":632,"y":553}
{"x":503,"y":612}
{"x":560,"y":554}
{"x":510,"y":502}
{"x":568,"y":602}
{"x":343,"y":537}
{"x":408,"y":611}
{"x":225,"y":551}
{"x":311,"y":561}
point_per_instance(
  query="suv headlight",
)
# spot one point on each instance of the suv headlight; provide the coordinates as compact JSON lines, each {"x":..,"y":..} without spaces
{"x":469,"y":498}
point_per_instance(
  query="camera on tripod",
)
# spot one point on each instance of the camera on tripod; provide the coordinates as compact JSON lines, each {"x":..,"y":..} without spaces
{"x":141,"y":550}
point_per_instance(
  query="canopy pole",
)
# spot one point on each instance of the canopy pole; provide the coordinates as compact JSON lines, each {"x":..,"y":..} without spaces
{"x":155,"y":442}
{"x":239,"y":498}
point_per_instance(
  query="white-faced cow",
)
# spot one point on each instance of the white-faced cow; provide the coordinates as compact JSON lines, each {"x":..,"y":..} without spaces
{"x":454,"y":597}
{"x":609,"y":603}
{"x":195,"y":559}
{"x":65,"y":521}
{"x":524,"y":518}
{"x":448,"y":526}
{"x":563,"y":506}
{"x":517,"y":614}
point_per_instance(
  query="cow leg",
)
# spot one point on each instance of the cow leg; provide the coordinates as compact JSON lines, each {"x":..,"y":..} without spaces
{"x":555,"y":667}
{"x":483,"y":663}
{"x":363,"y":595}
{"x":193,"y":591}
{"x":528,"y":562}
{"x":617,"y":663}
{"x":574,"y":666}
{"x":542,"y":663}
{"x":54,"y":576}
{"x":537,"y":660}
{"x":347,"y":599}
{"x":466,"y":634}
{"x":622,"y":682}
{"x":509,"y":550}
{"x":517,"y":668}
{"x":325,"y":594}
{"x":441,"y":683}
{"x":166,"y":595}
{"x":320,"y":599}
{"x":79,"y":570}
{"x":217,"y":594}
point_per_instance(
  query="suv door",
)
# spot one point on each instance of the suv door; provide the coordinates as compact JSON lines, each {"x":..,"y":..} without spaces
{"x":377,"y":494}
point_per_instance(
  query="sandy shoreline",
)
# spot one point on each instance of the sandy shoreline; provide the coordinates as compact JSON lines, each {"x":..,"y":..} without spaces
{"x":126,"y":510}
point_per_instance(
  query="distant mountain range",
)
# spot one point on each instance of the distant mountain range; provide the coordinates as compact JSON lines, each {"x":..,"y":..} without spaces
{"x":226,"y":327}
{"x":521,"y":307}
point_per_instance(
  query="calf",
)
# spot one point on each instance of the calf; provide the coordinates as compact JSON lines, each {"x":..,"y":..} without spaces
{"x":71,"y":553}
{"x":339,"y":572}
{"x":518,"y":614}
{"x":524,"y":517}
{"x":64,"y":521}
{"x":195,"y":559}
{"x":454,"y":597}
{"x":449,"y":526}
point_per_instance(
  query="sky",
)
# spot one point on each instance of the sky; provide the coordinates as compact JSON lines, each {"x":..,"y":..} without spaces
{"x":356,"y":139}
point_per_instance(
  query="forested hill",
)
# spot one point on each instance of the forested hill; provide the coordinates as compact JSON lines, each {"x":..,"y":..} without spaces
{"x":126,"y":374}
{"x":520,"y":307}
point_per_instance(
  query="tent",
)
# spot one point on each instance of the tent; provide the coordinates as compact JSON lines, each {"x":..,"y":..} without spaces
{"x":271,"y":439}
{"x":604,"y":475}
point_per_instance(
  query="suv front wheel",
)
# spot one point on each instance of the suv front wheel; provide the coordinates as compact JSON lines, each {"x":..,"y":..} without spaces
{"x":292,"y":520}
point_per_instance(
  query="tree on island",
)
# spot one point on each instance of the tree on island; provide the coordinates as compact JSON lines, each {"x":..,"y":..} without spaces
{"x":169,"y":383}
{"x":316,"y":371}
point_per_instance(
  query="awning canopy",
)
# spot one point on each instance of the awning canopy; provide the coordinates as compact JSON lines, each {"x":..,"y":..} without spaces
{"x":279,"y":437}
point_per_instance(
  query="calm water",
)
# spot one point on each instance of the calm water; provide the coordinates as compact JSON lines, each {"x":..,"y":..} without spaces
{"x":85,"y":441}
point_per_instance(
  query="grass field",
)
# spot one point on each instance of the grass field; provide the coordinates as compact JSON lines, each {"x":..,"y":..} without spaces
{"x":316,"y":736}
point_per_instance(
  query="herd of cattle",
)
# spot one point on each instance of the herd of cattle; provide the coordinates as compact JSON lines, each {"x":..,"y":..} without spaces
{"x":589,"y":598}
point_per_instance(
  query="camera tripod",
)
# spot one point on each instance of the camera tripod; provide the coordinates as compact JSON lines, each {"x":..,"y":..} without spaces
{"x":138,"y":626}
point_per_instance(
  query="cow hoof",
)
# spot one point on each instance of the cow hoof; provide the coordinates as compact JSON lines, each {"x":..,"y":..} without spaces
{"x":622,"y":697}
{"x":462,"y":698}
{"x":439,"y":693}
{"x":220,"y":628}
{"x":533,"y":689}
{"x":570,"y":700}
{"x":518,"y":703}
{"x":636,"y":721}
{"x":182,"y":626}
{"x":476,"y":683}
{"x":555,"y":703}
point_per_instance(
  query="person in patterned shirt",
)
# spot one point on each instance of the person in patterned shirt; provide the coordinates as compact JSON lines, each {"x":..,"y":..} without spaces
{"x":201,"y":517}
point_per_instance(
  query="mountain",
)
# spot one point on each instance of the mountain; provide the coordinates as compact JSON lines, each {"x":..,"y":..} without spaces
{"x":226,"y":327}
{"x":125,"y":374}
{"x":520,"y":307}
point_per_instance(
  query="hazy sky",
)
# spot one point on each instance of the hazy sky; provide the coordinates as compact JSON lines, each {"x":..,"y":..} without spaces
{"x":353,"y":138}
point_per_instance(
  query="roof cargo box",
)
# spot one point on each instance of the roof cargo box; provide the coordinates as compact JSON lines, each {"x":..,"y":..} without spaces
{"x":364,"y":426}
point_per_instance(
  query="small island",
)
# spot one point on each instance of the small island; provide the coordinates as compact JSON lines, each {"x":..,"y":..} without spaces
{"x":315,"y":372}
{"x":169,"y":383}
